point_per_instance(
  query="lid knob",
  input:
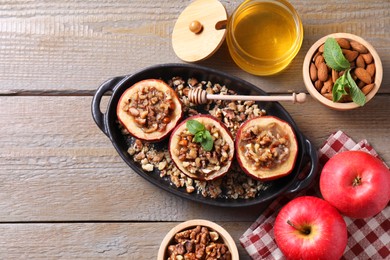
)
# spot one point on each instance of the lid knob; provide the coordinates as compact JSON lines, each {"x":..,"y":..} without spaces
{"x":196,"y":27}
{"x":199,"y":30}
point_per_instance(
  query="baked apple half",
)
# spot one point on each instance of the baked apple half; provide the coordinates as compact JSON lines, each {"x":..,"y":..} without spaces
{"x":202,"y":147}
{"x":149,"y":110}
{"x":266,"y":148}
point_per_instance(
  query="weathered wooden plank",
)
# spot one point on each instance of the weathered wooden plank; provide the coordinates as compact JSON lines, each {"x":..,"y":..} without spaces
{"x":75,"y":45}
{"x":93,"y":240}
{"x":56,"y":165}
{"x":51,"y":169}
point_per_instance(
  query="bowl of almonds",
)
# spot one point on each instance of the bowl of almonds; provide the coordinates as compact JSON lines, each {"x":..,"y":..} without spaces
{"x":342,"y":71}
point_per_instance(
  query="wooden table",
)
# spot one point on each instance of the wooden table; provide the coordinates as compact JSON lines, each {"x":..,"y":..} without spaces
{"x":64,"y":191}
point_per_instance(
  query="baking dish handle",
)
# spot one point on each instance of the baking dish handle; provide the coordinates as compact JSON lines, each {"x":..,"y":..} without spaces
{"x":97,"y":114}
{"x":309,"y":171}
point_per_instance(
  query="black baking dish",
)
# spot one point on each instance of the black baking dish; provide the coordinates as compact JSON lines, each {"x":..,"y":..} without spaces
{"x":307,"y":160}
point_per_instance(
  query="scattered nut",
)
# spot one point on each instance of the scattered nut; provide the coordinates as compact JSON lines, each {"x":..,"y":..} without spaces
{"x":152,"y":156}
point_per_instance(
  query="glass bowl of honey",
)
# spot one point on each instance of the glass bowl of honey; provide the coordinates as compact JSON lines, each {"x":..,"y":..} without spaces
{"x":264,"y":36}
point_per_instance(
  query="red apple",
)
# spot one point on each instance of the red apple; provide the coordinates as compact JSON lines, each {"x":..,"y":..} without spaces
{"x":356,"y":183}
{"x":310,"y":228}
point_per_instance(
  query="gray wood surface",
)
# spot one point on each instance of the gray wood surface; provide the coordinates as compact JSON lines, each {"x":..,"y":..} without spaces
{"x":64,"y":191}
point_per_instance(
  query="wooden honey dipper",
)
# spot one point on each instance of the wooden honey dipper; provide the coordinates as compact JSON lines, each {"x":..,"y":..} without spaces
{"x":200,"y":96}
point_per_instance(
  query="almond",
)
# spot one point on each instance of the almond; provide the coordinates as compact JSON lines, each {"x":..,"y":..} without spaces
{"x":318,"y":84}
{"x":313,"y":72}
{"x":360,"y":84}
{"x":346,"y":98}
{"x":335,"y":75}
{"x":344,"y":43}
{"x":328,"y":86}
{"x":360,"y":63}
{"x":367,"y":58}
{"x":363,"y":75}
{"x":354,"y":77}
{"x":350,"y":55}
{"x":316,"y":55}
{"x":318,"y":60}
{"x":322,"y":72}
{"x":358,"y":47}
{"x":371,"y":69}
{"x":366,"y":89}
{"x":328,"y":96}
{"x":321,"y":48}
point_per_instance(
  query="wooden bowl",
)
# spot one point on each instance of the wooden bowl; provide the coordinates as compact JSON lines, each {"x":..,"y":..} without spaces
{"x":325,"y":101}
{"x":223,"y":234}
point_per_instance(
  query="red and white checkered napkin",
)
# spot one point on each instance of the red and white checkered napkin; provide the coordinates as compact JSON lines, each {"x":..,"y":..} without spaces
{"x":367,"y":238}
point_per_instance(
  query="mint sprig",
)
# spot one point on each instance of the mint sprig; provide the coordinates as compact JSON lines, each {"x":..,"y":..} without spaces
{"x":346,"y":81}
{"x":356,"y":94}
{"x":335,"y":59}
{"x":334,"y":56}
{"x":201,"y":134}
{"x":339,"y":88}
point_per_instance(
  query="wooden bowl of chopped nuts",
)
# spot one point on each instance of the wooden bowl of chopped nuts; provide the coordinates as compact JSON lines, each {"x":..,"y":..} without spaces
{"x":198,"y":239}
{"x":342,"y":71}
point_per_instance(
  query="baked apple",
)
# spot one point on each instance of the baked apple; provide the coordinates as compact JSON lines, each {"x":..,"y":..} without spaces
{"x":266,"y":148}
{"x":149,"y":110}
{"x":202,"y":147}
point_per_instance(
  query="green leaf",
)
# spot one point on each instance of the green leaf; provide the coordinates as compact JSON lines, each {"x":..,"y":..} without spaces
{"x":207,"y":142}
{"x":201,"y":135}
{"x":356,"y":94}
{"x":333,"y":55}
{"x":198,"y":137}
{"x":194,"y":126}
{"x":339,"y":88}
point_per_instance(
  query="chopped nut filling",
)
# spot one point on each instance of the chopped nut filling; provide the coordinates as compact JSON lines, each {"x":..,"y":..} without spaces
{"x":151,"y":109}
{"x":265,"y":148}
{"x":233,"y":185}
{"x":198,"y":161}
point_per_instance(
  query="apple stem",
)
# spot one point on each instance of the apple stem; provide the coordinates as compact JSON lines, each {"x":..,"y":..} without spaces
{"x":305,"y":231}
{"x":357,"y":181}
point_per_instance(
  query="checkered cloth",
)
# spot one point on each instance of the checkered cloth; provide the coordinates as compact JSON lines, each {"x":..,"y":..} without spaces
{"x":367,"y":238}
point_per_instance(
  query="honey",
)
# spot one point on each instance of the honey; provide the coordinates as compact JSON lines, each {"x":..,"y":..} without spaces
{"x":264,"y":36}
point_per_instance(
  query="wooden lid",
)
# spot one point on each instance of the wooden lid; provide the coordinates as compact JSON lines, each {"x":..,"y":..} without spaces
{"x":200,"y":30}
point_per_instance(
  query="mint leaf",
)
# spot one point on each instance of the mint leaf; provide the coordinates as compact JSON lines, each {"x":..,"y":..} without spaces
{"x":339,"y":88}
{"x":201,"y":135}
{"x":207,"y":142}
{"x":356,"y":94}
{"x":198,"y":137}
{"x":333,"y":55}
{"x":194,"y":126}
